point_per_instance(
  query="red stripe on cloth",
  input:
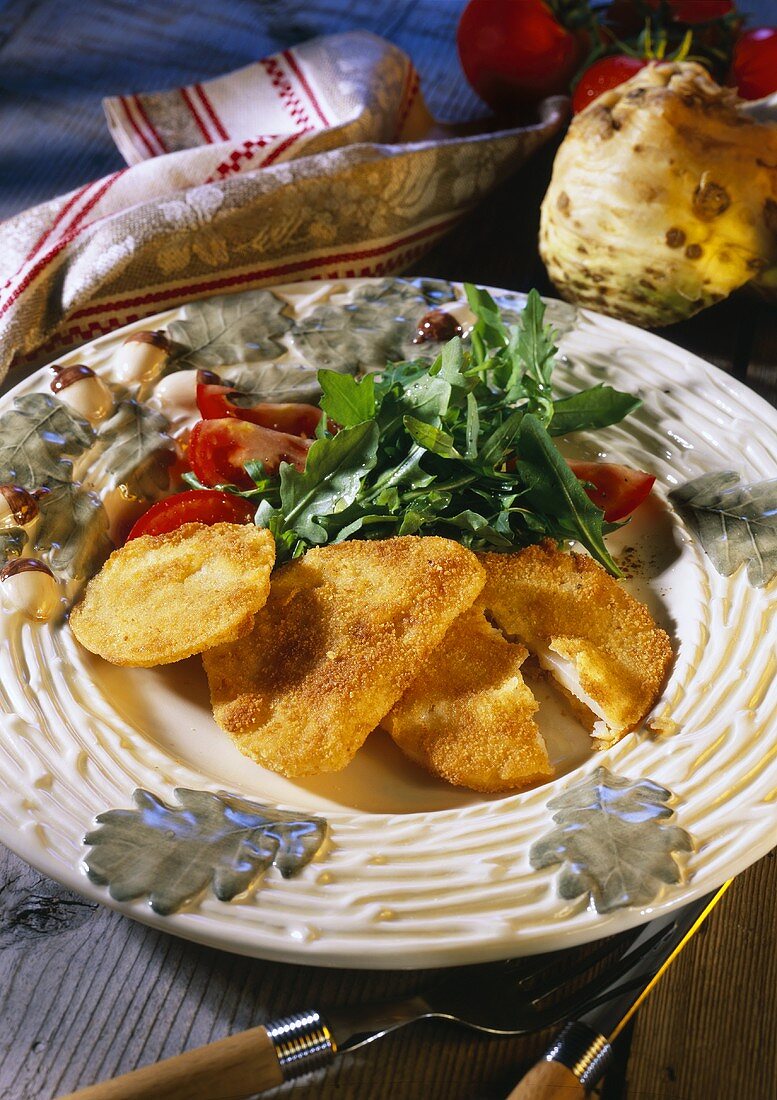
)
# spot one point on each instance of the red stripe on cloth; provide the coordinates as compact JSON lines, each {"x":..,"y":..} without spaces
{"x":284,"y":145}
{"x":248,"y":150}
{"x":149,"y":147}
{"x":77,"y":333}
{"x":152,"y":128}
{"x":291,"y":61}
{"x":64,"y":240}
{"x":266,"y":273}
{"x":232,"y":162}
{"x":286,"y":93}
{"x":222,"y":133}
{"x":48,"y":232}
{"x":193,"y":111}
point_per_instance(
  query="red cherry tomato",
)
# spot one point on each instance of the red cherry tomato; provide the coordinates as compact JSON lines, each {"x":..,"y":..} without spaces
{"x":697,"y":11}
{"x":754,"y":64}
{"x":626,"y":18}
{"x":604,"y":74}
{"x":515,"y":53}
{"x":219,"y":450}
{"x":196,"y":506}
{"x":618,"y":490}
{"x":215,"y":401}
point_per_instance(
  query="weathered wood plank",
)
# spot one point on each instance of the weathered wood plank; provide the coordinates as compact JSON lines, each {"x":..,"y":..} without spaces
{"x":709,"y":1028}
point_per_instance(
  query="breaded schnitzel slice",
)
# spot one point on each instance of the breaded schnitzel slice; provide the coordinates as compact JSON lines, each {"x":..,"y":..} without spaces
{"x":340,"y":638}
{"x":468,"y":717}
{"x":161,"y":598}
{"x":599,"y":643}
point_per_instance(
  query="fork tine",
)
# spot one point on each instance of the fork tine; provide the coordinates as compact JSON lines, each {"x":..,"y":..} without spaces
{"x":569,"y":972}
{"x":545,"y":965}
{"x":590,"y":994}
{"x":567,"y":1007}
{"x":522,"y":995}
{"x":580,"y":967}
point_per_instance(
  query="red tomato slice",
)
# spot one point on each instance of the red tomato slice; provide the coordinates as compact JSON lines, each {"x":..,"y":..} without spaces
{"x":195,"y":506}
{"x":215,"y":402}
{"x":616,"y":489}
{"x":219,"y":450}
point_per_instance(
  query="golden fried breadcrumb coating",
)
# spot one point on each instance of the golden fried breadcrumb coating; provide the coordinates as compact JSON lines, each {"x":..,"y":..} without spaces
{"x":468,"y":715}
{"x":161,"y":598}
{"x":597,"y":640}
{"x":340,"y":638}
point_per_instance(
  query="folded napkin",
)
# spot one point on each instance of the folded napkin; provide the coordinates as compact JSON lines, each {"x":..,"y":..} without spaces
{"x":321,"y":162}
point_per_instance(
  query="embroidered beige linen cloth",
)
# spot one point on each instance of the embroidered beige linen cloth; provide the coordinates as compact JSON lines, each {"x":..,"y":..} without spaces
{"x":321,"y":162}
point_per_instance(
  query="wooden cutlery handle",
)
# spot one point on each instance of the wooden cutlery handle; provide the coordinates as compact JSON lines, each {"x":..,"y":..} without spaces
{"x":548,"y":1081}
{"x":238,"y":1066}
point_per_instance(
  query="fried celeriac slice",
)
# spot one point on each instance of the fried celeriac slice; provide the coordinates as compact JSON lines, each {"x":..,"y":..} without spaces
{"x":161,"y":598}
{"x":468,"y":717}
{"x":599,"y":643}
{"x":340,"y":638}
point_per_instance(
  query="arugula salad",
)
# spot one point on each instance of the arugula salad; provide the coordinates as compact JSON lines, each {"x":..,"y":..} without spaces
{"x":462,"y":447}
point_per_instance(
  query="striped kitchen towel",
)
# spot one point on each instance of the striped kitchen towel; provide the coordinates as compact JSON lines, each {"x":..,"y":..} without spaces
{"x":321,"y":162}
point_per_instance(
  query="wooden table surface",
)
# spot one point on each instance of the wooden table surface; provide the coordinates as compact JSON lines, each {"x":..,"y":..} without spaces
{"x":87,"y":994}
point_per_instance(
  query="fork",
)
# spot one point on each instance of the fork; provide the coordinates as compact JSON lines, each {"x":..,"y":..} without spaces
{"x":512,"y":997}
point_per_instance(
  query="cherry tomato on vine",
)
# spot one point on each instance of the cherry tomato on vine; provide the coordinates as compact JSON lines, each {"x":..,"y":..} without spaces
{"x":219,"y":450}
{"x":604,"y":74}
{"x":196,"y":506}
{"x":754,"y":64}
{"x":216,"y":401}
{"x":626,"y":17}
{"x":515,"y":53}
{"x":618,"y":490}
{"x":697,"y":11}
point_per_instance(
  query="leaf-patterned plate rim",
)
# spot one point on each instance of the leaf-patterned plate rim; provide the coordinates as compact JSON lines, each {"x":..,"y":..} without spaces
{"x":436,"y":887}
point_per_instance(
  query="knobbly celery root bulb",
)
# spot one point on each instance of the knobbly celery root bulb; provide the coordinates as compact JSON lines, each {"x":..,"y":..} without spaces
{"x":663,"y":199}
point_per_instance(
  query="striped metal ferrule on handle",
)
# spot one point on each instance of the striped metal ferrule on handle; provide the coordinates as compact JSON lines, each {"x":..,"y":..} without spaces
{"x":583,"y":1051}
{"x":302,"y":1042}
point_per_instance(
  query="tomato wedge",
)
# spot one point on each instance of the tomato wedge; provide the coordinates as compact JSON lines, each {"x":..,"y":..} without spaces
{"x":195,"y":506}
{"x":617,"y":489}
{"x":215,"y":401}
{"x":219,"y":450}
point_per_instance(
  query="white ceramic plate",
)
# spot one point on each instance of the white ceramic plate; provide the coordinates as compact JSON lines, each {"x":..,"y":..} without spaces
{"x":417,"y":873}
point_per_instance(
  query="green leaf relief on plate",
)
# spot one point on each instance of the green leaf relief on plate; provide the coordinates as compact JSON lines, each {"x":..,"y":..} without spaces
{"x":736,"y":523}
{"x":132,"y":442}
{"x":73,"y":531}
{"x":236,"y":328}
{"x":615,"y":841}
{"x":376,"y":326}
{"x":12,"y":543}
{"x":40,"y":438}
{"x":172,"y":854}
